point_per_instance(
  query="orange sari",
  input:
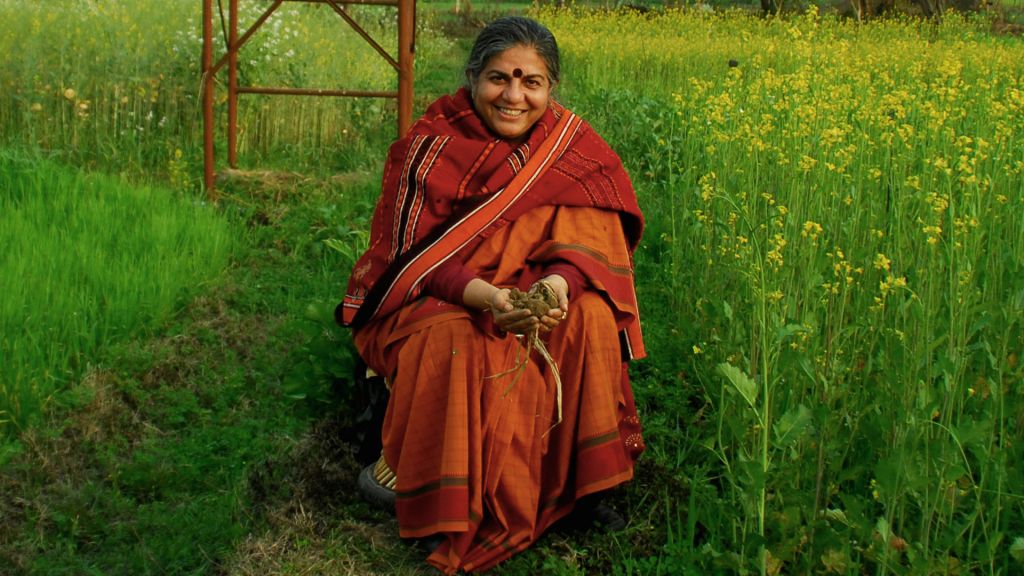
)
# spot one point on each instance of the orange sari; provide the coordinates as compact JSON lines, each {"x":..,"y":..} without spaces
{"x":474,"y":442}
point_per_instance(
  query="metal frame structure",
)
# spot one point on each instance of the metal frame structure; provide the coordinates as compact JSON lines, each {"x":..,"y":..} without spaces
{"x":403,"y":65}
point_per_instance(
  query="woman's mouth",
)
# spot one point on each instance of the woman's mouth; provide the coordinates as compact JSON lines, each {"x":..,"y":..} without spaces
{"x":510,"y":111}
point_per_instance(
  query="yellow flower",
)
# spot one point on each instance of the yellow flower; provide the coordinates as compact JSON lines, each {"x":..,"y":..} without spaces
{"x":69,"y":94}
{"x":697,"y":350}
{"x":882,"y":262}
{"x":939,"y":203}
{"x":707,"y":186}
{"x":933,"y":233}
{"x":811,"y":230}
{"x":774,"y":256}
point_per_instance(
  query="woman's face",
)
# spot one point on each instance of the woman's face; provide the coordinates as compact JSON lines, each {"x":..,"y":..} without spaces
{"x":512,"y":92}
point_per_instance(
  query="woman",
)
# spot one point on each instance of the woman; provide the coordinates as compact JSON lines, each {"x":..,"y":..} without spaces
{"x":495,"y":187}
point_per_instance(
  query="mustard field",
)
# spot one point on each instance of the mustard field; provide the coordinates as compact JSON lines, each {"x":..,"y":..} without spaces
{"x":836,"y":241}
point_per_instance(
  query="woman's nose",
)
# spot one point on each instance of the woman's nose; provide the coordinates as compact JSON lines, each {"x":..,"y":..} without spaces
{"x":514,"y":91}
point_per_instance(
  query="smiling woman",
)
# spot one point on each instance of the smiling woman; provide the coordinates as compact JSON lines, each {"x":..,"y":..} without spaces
{"x":498,"y":189}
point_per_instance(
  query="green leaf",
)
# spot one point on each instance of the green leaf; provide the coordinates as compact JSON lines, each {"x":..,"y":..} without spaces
{"x":805,"y":365}
{"x":787,"y":331}
{"x":836,"y":515}
{"x":740,"y":381}
{"x":882,"y":526}
{"x":339,"y":247}
{"x":1017,"y":549}
{"x":793,"y":425}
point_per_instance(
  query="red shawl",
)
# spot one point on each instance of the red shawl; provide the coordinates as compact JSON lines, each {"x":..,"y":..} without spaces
{"x":450,"y":183}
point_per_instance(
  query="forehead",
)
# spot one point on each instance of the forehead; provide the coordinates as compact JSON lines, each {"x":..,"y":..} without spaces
{"x":522,"y":58}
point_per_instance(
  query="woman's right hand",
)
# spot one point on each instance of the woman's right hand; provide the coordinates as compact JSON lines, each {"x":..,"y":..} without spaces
{"x":507,"y":317}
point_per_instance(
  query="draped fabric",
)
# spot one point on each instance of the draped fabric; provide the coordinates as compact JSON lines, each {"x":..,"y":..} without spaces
{"x":471,"y":425}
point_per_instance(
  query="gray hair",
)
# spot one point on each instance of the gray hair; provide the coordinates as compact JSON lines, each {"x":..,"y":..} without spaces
{"x":508,"y":32}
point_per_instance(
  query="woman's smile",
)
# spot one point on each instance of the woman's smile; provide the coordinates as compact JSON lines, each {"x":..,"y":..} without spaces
{"x":510,"y":111}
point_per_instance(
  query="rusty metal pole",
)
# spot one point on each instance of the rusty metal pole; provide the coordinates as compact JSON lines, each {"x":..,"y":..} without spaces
{"x":233,"y":84}
{"x":208,"y":85}
{"x":406,"y":49}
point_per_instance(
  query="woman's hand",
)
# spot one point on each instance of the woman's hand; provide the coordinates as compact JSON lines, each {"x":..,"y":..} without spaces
{"x":561,"y":289}
{"x":483,"y":295}
{"x":507,"y":317}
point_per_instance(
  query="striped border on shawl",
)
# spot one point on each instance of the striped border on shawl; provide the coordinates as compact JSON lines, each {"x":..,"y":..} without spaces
{"x":519,"y":157}
{"x":474,"y":169}
{"x":390,"y":293}
{"x":412,"y":184}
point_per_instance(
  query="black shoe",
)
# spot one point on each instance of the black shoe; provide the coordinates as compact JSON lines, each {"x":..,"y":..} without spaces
{"x":606,"y":519}
{"x":373,"y":492}
{"x":428,"y":543}
{"x":590,"y":513}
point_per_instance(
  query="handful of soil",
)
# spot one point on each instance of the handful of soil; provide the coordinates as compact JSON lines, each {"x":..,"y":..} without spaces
{"x":539,"y":300}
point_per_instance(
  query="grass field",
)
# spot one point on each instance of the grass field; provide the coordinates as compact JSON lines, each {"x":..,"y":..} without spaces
{"x":88,"y":260}
{"x":831,"y":281}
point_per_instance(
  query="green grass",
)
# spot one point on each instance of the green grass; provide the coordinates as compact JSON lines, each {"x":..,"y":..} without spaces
{"x":88,"y":260}
{"x":165,"y":457}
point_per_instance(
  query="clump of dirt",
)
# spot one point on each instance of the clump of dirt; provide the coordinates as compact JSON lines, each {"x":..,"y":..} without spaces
{"x":539,"y":300}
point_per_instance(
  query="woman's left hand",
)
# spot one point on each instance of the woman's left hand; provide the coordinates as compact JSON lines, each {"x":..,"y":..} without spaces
{"x":555,"y":316}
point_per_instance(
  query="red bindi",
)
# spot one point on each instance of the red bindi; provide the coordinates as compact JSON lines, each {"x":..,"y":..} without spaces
{"x":517,"y":73}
